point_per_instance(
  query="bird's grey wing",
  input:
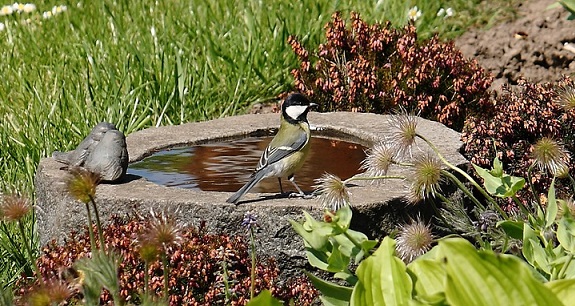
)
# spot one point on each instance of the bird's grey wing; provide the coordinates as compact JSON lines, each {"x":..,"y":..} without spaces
{"x":273,"y":154}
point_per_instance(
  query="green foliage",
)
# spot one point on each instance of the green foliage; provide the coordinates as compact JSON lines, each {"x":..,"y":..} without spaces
{"x":265,"y":298}
{"x":382,"y":279}
{"x":453,"y":273}
{"x":498,"y":183}
{"x":100,"y":271}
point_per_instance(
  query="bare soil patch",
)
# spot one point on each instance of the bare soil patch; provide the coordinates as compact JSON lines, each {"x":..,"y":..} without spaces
{"x":534,"y":46}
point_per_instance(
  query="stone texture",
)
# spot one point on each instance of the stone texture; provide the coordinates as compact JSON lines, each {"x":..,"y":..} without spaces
{"x":378,"y":208}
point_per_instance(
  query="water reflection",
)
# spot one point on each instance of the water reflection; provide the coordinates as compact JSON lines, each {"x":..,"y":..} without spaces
{"x":226,"y":166}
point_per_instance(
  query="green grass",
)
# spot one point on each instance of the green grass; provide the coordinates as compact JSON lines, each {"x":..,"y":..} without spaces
{"x":150,"y":63}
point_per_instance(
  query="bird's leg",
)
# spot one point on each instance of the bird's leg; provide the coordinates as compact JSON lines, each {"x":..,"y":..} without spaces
{"x":281,"y":188}
{"x":301,"y":193}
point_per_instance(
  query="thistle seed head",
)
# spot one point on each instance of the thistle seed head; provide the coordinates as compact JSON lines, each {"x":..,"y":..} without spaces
{"x":550,"y":155}
{"x":14,"y":208}
{"x":425,"y":178}
{"x":379,"y":159}
{"x":333,"y":193}
{"x":82,"y":184}
{"x":414,"y":239}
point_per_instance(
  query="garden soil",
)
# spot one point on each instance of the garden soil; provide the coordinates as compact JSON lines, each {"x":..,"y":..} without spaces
{"x":538,"y":45}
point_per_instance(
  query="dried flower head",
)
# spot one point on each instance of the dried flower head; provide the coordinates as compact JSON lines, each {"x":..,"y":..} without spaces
{"x":550,"y":155}
{"x":82,"y":184}
{"x":379,"y":159}
{"x":250,"y":220}
{"x":50,"y":293}
{"x":14,"y":208}
{"x":406,"y":131}
{"x":567,"y":205}
{"x":566,"y":97}
{"x":413,"y":240}
{"x":425,"y":178}
{"x":333,"y":193}
{"x":163,"y":232}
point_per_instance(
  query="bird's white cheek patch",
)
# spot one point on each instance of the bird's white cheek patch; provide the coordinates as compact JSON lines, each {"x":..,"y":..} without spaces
{"x":294,"y":111}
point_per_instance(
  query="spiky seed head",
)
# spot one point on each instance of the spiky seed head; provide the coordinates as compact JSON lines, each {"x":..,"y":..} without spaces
{"x":379,"y":159}
{"x":82,"y":184}
{"x":405,"y":131}
{"x":566,"y":97}
{"x":565,"y":206}
{"x":426,"y":178}
{"x":550,"y":155}
{"x":414,"y":239}
{"x":164,"y":231}
{"x":14,"y":208}
{"x":333,"y":193}
{"x":50,"y":293}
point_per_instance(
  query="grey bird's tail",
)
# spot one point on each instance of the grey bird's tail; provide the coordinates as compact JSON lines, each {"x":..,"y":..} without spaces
{"x":256,"y":178}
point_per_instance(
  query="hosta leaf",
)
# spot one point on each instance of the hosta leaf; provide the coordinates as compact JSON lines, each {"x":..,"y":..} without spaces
{"x":486,"y":278}
{"x":265,"y":298}
{"x":382,"y":279}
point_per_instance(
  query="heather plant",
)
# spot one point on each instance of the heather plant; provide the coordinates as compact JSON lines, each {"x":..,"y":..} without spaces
{"x":377,"y":68}
{"x":531,"y":132}
{"x":195,"y":275}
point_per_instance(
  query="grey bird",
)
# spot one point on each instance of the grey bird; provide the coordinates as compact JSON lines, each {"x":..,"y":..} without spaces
{"x":109,"y":158}
{"x":77,"y":157}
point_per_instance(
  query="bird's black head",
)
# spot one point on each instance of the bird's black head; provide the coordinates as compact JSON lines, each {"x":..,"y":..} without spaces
{"x":295,"y":108}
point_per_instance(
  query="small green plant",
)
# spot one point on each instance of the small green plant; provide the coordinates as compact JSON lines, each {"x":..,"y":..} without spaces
{"x":451,"y":273}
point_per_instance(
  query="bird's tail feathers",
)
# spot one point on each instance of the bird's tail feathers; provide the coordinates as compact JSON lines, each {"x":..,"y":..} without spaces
{"x":256,"y":178}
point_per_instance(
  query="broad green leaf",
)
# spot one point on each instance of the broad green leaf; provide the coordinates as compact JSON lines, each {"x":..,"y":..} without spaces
{"x":551,"y":211}
{"x":486,"y":278}
{"x":344,"y":215}
{"x":347,"y":247}
{"x":513,"y":229}
{"x":382,"y":279}
{"x":568,"y":5}
{"x":528,"y":235}
{"x":337,"y":261}
{"x":541,"y":258}
{"x":315,"y":239}
{"x":566,"y":233}
{"x":330,"y":290}
{"x":563,"y":289}
{"x":429,"y":277}
{"x":265,"y":298}
{"x":316,"y":258}
{"x":497,"y":170}
{"x":327,"y":301}
{"x":347,"y":276}
{"x":501,"y":186}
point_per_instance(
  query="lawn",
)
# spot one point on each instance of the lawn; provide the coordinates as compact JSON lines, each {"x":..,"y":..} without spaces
{"x":67,"y":66}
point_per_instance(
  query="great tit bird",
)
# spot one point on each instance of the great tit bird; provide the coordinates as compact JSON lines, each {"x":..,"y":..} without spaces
{"x":288,"y":150}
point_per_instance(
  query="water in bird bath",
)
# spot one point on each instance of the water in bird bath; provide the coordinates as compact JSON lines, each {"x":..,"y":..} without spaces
{"x":227,"y":165}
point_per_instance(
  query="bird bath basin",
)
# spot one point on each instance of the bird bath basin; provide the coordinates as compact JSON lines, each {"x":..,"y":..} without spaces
{"x":378,"y":208}
{"x":227,"y":165}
